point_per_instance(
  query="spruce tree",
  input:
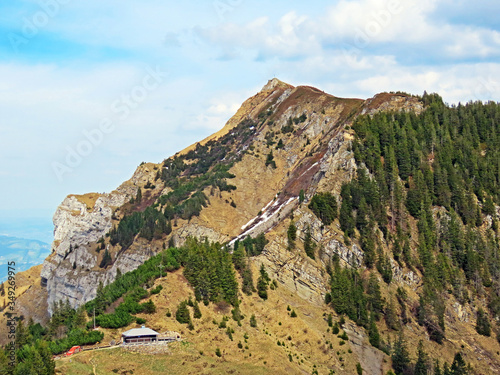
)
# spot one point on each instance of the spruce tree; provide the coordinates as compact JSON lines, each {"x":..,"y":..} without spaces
{"x":259,"y":244}
{"x":262,"y":282}
{"x":362,"y":215}
{"x":239,"y":256}
{"x":459,"y":367}
{"x":346,"y":219}
{"x":182,"y":314}
{"x":309,"y":245}
{"x":247,"y":285}
{"x":106,"y":260}
{"x":196,"y":310}
{"x":373,"y":334}
{"x":391,"y":317}
{"x":375,"y":297}
{"x":400,"y":356}
{"x":422,"y":365}
{"x":302,"y":196}
{"x":483,"y":326}
{"x":291,"y":235}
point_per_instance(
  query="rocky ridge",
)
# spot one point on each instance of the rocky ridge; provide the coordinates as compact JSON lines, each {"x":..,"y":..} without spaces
{"x":72,"y":271}
{"x":271,"y":167}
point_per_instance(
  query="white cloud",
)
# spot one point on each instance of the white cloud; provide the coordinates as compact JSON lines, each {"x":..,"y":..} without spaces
{"x":361,"y":24}
{"x":459,"y":83}
{"x":350,"y":48}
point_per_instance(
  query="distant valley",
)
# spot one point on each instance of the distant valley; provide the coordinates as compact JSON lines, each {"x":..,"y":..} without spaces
{"x":24,"y":252}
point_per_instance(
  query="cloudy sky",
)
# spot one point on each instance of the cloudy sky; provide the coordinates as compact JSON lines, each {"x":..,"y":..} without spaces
{"x":89,"y":89}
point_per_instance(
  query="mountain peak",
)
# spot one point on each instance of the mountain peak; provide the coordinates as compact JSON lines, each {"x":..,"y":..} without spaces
{"x":273,"y":83}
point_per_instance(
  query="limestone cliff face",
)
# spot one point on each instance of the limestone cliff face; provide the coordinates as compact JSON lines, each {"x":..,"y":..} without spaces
{"x":78,"y":221}
{"x":315,"y":156}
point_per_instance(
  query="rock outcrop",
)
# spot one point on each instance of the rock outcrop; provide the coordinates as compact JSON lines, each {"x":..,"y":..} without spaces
{"x":314,"y":156}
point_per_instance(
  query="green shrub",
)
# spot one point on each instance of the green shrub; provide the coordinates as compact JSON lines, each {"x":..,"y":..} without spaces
{"x":157,"y":290}
{"x":196,"y":310}
{"x":182,"y":315}
{"x":330,"y":320}
{"x":343,"y":336}
{"x":149,"y":307}
{"x":253,"y":321}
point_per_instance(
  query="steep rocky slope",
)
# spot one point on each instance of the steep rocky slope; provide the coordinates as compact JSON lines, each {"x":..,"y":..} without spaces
{"x":256,"y":175}
{"x":313,"y":156}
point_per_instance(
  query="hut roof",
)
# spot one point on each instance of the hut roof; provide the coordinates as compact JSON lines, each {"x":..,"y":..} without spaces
{"x":135,"y":332}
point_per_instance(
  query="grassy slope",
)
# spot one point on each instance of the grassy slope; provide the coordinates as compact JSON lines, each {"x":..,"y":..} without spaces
{"x":308,"y":344}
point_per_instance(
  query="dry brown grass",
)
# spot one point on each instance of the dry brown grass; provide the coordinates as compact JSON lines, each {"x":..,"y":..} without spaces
{"x":305,"y":338}
{"x":31,"y":299}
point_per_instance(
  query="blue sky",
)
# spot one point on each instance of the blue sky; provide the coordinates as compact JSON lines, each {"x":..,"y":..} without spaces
{"x":161,"y":75}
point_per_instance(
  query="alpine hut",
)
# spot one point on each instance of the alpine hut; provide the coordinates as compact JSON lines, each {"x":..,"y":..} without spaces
{"x":139,"y":335}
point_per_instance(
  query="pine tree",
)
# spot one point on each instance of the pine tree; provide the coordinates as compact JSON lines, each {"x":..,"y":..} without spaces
{"x":106,"y":260}
{"x":138,"y":198}
{"x":259,"y":244}
{"x":346,"y":219}
{"x":403,"y":156}
{"x":375,"y":297}
{"x":171,"y":242}
{"x":247,"y":285}
{"x":22,"y":334}
{"x":182,"y":314}
{"x":291,"y":235}
{"x":483,"y":326}
{"x":239,"y":256}
{"x":80,"y":317}
{"x":422,"y":365}
{"x":373,"y":334}
{"x":458,"y":367}
{"x":309,"y":245}
{"x":400,"y":356}
{"x":263,"y":282}
{"x":361,"y":216}
{"x":391,"y":317}
{"x":368,"y":246}
{"x":196,"y":310}
{"x":47,"y":358}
